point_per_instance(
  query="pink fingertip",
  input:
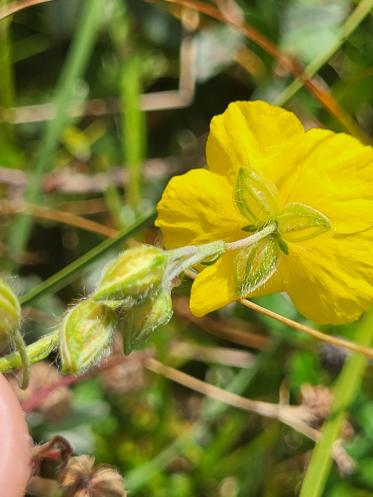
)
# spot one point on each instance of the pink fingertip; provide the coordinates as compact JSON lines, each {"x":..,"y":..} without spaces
{"x":15,"y":444}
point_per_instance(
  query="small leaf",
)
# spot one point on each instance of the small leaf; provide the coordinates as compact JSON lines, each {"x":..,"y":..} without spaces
{"x":254,"y":265}
{"x":298,"y":222}
{"x":255,"y":197}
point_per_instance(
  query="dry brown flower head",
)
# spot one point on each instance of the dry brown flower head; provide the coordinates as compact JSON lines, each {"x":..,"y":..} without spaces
{"x":82,"y":478}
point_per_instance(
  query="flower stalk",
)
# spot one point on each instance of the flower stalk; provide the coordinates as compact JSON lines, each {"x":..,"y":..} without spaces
{"x":35,"y":352}
{"x":250,"y":240}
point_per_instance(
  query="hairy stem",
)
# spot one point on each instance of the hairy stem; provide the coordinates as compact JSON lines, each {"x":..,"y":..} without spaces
{"x":250,"y":240}
{"x":35,"y":352}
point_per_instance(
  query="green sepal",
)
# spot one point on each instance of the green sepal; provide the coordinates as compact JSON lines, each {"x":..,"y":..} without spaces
{"x":139,"y":322}
{"x":255,"y":197}
{"x":250,"y":228}
{"x":254,"y":265}
{"x":283,"y":246}
{"x":85,"y":335}
{"x":299,"y":222}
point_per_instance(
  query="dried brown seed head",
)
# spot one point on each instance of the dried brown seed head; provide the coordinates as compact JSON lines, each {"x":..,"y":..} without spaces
{"x":318,"y":399}
{"x":82,"y":478}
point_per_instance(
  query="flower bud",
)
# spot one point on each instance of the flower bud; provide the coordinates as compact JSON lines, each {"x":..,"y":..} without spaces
{"x":145,"y":317}
{"x":85,"y":336}
{"x":10,"y":312}
{"x":132,"y":275}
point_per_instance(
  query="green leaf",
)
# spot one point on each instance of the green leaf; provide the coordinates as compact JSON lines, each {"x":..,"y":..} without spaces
{"x":298,"y":222}
{"x":254,"y":265}
{"x":255,"y":197}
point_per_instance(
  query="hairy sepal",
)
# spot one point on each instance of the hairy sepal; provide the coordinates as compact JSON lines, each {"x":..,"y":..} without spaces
{"x":299,"y":222}
{"x":254,"y":265}
{"x":255,"y":197}
{"x":139,"y":323}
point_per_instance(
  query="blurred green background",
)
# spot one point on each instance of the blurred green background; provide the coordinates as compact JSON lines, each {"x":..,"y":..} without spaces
{"x":101,"y":102}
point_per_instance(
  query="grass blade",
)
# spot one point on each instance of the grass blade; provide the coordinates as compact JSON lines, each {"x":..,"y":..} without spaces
{"x":86,"y":30}
{"x":353,"y":21}
{"x":133,"y":125}
{"x":6,"y":77}
{"x":345,"y":391}
{"x":66,"y":275}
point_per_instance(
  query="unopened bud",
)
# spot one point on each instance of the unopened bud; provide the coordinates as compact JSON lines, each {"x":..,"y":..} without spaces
{"x":132,"y":275}
{"x":10,"y":312}
{"x":85,"y":336}
{"x":144,"y":318}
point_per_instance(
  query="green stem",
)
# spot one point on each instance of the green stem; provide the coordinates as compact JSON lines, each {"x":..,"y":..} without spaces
{"x":196,"y":254}
{"x":251,"y":239}
{"x":85,"y":34}
{"x":6,"y":77}
{"x":133,"y":124}
{"x":353,"y":21}
{"x":35,"y":352}
{"x":212,"y":248}
{"x":344,"y":393}
{"x":66,"y":275}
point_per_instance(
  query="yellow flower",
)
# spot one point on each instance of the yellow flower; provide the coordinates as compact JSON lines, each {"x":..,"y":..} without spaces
{"x":264,"y":168}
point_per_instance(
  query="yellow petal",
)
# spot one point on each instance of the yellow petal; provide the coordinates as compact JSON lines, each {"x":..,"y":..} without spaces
{"x":196,"y":208}
{"x":330,"y":282}
{"x":335,"y":176}
{"x":214,"y":287}
{"x":254,"y":134}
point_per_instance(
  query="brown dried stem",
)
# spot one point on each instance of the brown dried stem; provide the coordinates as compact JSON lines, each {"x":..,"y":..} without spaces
{"x":59,"y":216}
{"x":14,"y":7}
{"x":296,"y":417}
{"x":319,"y":335}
